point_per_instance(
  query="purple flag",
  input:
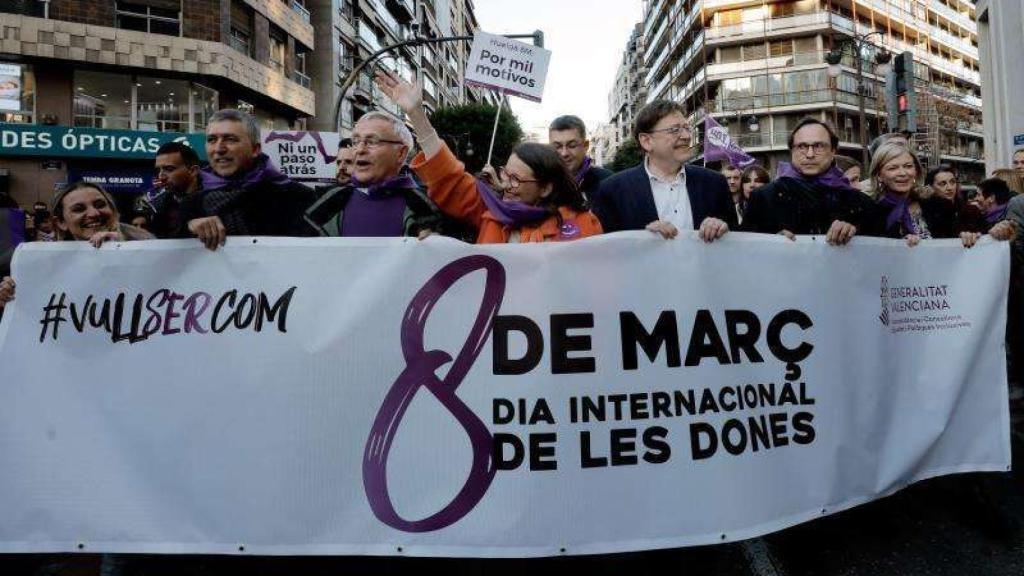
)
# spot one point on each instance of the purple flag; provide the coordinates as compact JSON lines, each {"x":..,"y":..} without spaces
{"x":718,"y":145}
{"x":12,"y":233}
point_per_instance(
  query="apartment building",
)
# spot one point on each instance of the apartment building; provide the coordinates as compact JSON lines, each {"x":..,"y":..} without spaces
{"x":628,"y":94}
{"x":758,"y":66}
{"x":355,"y":29}
{"x":90,"y":88}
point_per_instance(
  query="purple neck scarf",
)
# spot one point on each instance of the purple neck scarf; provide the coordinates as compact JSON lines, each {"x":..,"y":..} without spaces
{"x":587,"y":163}
{"x":514,"y":214}
{"x":899,"y":212}
{"x":262,"y":172}
{"x":831,"y":178}
{"x":402,"y":181}
{"x":996,"y":214}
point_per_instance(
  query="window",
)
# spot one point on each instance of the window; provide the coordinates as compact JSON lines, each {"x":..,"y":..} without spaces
{"x":155,"y":16}
{"x":754,"y":52}
{"x":102,"y":100}
{"x":17,"y":93}
{"x":124,"y":102}
{"x":241,"y":27}
{"x":277,"y":52}
{"x":161,"y":105}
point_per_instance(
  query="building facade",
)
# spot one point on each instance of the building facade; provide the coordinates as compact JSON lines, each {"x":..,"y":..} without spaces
{"x":765,"y":60}
{"x":89,"y":88}
{"x":629,"y":92}
{"x":355,"y":29}
{"x":1000,"y":27}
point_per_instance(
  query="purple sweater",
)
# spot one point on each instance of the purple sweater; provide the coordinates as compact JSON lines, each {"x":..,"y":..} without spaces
{"x":373,"y":215}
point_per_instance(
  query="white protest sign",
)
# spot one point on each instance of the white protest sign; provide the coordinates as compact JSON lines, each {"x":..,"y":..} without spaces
{"x":507,"y":66}
{"x":306,"y":157}
{"x":389,"y":396}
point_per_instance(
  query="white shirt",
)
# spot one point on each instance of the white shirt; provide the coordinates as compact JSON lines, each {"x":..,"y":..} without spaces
{"x":671,"y":199}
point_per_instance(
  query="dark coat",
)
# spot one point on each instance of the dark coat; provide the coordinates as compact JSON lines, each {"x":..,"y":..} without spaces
{"x":804,"y":208}
{"x":944,"y":219}
{"x":624,"y":201}
{"x":592,"y":181}
{"x":262,"y":209}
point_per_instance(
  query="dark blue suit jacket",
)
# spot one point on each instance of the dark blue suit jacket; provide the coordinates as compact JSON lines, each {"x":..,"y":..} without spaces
{"x":625,"y":201}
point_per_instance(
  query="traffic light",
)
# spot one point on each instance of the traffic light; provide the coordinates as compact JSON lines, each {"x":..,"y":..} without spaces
{"x":901,"y":98}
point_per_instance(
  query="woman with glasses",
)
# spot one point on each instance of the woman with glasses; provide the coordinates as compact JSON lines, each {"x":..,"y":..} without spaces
{"x":541,"y":201}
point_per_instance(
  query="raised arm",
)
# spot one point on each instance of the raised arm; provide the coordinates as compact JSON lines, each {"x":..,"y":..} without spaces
{"x":409,"y":97}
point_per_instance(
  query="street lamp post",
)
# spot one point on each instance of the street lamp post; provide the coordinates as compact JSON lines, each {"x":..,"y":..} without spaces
{"x":856,"y":44}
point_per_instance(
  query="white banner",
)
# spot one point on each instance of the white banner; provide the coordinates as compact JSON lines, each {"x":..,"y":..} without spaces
{"x":508,"y":66}
{"x":390,"y":396}
{"x":306,"y":157}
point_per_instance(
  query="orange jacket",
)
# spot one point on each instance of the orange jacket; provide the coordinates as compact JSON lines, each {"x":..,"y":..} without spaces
{"x":454,"y":191}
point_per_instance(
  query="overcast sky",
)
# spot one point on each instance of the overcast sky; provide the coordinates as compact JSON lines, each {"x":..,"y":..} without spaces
{"x":586,"y":39}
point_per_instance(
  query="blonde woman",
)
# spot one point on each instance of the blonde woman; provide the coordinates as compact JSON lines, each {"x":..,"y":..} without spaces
{"x":906,"y":210}
{"x":84,"y":212}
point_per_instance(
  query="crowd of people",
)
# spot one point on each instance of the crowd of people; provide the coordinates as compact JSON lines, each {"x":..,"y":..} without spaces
{"x":542,"y":193}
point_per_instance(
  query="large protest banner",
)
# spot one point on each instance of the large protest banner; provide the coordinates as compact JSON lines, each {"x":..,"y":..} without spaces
{"x":391,"y":396}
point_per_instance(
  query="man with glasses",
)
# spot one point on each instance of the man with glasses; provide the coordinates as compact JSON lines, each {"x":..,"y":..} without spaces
{"x":663,"y":193}
{"x":811,"y":195}
{"x":243,"y":193}
{"x":176,"y":177}
{"x":381,"y":198}
{"x":568,"y":136}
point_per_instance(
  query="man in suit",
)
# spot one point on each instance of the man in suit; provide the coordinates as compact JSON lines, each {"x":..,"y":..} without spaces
{"x":664,"y":194}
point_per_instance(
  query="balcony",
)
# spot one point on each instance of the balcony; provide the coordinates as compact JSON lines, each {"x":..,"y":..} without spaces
{"x":301,"y":10}
{"x":955,"y":42}
{"x":959,"y":18}
{"x":761,"y":66}
{"x":402,"y":10}
{"x":771,"y":25}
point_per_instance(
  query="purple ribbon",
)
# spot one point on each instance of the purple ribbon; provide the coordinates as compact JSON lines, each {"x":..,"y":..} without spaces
{"x":513,"y":214}
{"x":899,"y":212}
{"x":831,"y":178}
{"x":582,"y":172}
{"x":420,"y":372}
{"x":402,"y":181}
{"x":262,"y":171}
{"x":996,"y":214}
{"x":12,"y":231}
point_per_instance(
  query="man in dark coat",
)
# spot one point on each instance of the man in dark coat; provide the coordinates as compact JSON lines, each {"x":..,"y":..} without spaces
{"x":811,"y":195}
{"x":663,"y":193}
{"x":568,"y":136}
{"x":381,"y":197}
{"x":243,"y":193}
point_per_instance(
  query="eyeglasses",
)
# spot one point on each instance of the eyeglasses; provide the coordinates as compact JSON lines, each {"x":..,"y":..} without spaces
{"x":818,"y":147}
{"x":570,"y":146}
{"x":513,"y":180}
{"x":372,"y":141}
{"x":674,"y":131}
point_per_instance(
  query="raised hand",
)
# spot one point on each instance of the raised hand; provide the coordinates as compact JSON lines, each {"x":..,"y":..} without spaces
{"x":408,"y":96}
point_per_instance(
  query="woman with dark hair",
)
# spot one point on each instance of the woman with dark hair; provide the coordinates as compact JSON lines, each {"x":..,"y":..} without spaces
{"x":84,"y":212}
{"x":943,"y":185}
{"x":752,"y":178}
{"x":541,"y":201}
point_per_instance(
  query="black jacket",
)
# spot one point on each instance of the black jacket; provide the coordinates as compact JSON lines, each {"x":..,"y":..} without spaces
{"x":592,"y":181}
{"x":263,"y":209}
{"x":624,"y":201}
{"x":803,"y":208}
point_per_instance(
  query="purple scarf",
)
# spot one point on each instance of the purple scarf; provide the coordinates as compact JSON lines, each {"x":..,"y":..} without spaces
{"x":514,"y":214}
{"x":587,"y":162}
{"x":263,"y":171}
{"x":899,"y":212}
{"x":996,"y":214}
{"x":402,"y":181}
{"x":831,"y":178}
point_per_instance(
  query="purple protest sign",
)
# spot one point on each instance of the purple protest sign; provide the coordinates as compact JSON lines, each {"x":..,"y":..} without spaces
{"x":718,"y":145}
